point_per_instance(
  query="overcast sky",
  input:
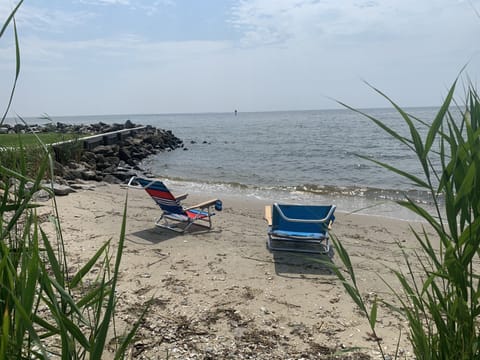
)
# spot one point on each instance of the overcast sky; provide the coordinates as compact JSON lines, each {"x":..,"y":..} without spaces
{"x":83,"y":57}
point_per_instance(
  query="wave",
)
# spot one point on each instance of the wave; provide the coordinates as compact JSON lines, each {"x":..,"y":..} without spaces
{"x":313,"y":190}
{"x":419,"y":196}
{"x":362,"y":201}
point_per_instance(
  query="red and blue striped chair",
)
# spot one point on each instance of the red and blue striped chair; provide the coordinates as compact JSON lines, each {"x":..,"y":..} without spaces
{"x":174,"y":216}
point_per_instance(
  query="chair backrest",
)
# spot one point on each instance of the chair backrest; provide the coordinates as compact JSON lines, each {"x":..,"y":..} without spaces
{"x":161,"y":195}
{"x":302,"y":218}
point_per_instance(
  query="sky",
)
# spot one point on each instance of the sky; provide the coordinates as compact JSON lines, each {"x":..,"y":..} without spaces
{"x":95,"y":57}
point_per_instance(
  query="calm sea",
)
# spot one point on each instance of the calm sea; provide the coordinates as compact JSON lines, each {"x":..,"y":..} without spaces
{"x":294,"y":156}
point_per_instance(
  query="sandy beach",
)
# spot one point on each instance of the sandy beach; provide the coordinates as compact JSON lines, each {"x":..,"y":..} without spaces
{"x":221,"y":294}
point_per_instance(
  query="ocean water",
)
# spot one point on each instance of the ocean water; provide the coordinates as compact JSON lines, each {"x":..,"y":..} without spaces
{"x":292,"y":156}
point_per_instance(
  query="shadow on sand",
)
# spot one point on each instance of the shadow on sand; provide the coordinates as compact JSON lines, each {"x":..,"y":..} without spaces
{"x":295,"y":264}
{"x":157,"y":235}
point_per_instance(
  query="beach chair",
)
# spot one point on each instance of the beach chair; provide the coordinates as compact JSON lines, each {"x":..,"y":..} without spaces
{"x":299,"y":228}
{"x":174,"y":216}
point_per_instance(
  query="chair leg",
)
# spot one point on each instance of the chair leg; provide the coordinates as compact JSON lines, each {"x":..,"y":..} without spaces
{"x":167,"y":225}
{"x":199,"y":219}
{"x":324,"y":245}
{"x":181,"y":226}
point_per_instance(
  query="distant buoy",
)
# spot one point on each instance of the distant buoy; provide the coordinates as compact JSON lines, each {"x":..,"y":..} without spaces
{"x":235,"y":112}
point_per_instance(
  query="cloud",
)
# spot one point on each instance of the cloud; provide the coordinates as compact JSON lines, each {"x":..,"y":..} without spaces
{"x":110,"y":55}
{"x":263,"y":22}
{"x":105,"y":2}
{"x":127,"y":51}
{"x":152,"y":8}
{"x":277,"y":21}
{"x":149,"y":7}
{"x":42,"y":19}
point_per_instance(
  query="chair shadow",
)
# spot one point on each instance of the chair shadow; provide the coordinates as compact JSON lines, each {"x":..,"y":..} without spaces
{"x":152,"y":235}
{"x":296,"y":264}
{"x":156,"y":235}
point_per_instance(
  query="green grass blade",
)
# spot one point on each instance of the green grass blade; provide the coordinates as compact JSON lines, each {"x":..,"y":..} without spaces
{"x":25,"y":202}
{"x":76,"y":332}
{"x":67,"y":299}
{"x":30,"y":283}
{"x":27,"y":323}
{"x":10,"y":18}
{"x":101,"y":336}
{"x":373,"y":314}
{"x":55,"y":306}
{"x":387,"y":129}
{"x":94,"y":296}
{"x":437,"y":122}
{"x":45,"y":324}
{"x":88,"y":266}
{"x":52,"y":258}
{"x":416,"y":180}
{"x":5,"y":334}
{"x":120,"y":353}
{"x":345,"y":258}
{"x":17,"y":70}
{"x":467,"y":184}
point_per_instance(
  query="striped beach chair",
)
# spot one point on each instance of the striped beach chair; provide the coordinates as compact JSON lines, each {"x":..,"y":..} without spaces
{"x":174,"y":216}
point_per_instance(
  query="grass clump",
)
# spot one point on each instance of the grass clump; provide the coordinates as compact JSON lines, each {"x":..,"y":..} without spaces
{"x":45,"y":310}
{"x":442,"y":304}
{"x":23,"y":160}
{"x":27,"y":140}
{"x":31,"y":147}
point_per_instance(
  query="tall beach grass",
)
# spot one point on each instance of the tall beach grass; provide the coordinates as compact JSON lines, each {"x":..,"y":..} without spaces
{"x":46,"y":310}
{"x":441,"y":305}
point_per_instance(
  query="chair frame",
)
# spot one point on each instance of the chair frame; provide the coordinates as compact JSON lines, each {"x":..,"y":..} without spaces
{"x":321,"y":238}
{"x":179,"y":222}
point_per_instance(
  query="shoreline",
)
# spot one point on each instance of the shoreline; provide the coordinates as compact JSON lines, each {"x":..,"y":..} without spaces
{"x":350,"y":204}
{"x":222,"y":293}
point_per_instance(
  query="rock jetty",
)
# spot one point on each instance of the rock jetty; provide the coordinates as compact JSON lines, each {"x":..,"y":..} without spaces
{"x":109,"y":153}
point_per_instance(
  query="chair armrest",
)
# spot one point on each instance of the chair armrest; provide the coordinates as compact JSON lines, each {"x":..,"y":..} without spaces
{"x":131,"y":181}
{"x":325,"y":220}
{"x":181,"y":197}
{"x":268,"y":214}
{"x":203,"y":205}
{"x":330,"y":223}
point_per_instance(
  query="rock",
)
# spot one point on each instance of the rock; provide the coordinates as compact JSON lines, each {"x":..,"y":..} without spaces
{"x":106,"y":150}
{"x":124,"y":175}
{"x":124,"y":154}
{"x":89,"y":175}
{"x":60,"y":190}
{"x":89,"y":157}
{"x":80,"y":186}
{"x":41,"y":195}
{"x":112,"y":158}
{"x":109,"y":178}
{"x":112,"y":161}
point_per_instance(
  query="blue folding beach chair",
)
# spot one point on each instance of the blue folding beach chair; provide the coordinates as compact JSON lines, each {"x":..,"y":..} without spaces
{"x":174,"y":216}
{"x":299,"y":228}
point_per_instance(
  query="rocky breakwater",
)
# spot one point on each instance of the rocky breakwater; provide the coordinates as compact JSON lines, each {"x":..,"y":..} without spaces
{"x":110,"y":153}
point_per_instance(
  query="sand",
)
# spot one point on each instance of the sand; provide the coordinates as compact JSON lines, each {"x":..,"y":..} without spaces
{"x":221,"y":294}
